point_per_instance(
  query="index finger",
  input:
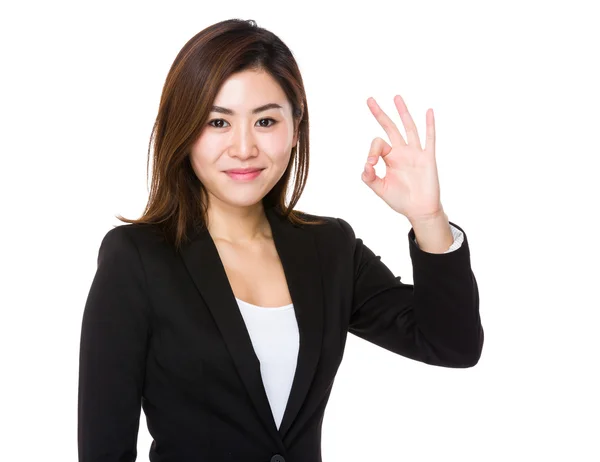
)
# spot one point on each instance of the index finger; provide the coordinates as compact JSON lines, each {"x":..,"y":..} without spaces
{"x":388,"y":125}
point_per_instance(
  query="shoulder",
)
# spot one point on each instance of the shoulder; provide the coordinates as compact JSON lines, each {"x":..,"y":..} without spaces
{"x":132,"y":238}
{"x":134,"y":232}
{"x":332,"y":227}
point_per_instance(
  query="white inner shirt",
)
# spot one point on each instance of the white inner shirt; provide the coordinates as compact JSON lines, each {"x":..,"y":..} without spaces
{"x":276,"y":341}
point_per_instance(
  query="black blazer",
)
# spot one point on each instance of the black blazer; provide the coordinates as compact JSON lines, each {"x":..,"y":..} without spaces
{"x":162,"y":331}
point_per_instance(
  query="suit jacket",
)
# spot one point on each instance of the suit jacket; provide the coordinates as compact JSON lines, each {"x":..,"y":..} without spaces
{"x":162,"y":332}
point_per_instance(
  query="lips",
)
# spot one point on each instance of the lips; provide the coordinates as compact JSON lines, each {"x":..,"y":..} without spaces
{"x":243,"y":170}
{"x":249,"y":176}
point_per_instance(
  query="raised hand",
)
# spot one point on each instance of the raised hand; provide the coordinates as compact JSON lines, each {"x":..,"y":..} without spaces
{"x":410,"y":186}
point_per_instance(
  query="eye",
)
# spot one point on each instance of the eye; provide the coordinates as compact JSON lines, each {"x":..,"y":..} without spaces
{"x":221,"y":120}
{"x":216,"y":120}
{"x":266,"y":126}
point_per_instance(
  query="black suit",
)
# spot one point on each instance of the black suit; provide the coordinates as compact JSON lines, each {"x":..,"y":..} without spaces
{"x":163,"y":331}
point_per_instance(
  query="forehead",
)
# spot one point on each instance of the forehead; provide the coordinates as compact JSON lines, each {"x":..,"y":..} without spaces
{"x":249,"y":89}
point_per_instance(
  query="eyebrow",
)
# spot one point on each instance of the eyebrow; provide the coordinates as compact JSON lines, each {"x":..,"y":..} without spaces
{"x":224,"y":110}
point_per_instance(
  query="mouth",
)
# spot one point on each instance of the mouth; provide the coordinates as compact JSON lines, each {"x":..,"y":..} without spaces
{"x":244,"y":174}
{"x":243,"y":170}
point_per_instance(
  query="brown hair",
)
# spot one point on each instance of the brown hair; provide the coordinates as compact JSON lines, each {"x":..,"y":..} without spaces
{"x":177,"y":197}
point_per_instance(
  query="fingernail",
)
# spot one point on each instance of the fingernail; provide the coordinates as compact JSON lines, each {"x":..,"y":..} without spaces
{"x":372,"y":160}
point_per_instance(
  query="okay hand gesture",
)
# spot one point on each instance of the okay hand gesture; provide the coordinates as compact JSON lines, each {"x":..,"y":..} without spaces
{"x":410,"y":186}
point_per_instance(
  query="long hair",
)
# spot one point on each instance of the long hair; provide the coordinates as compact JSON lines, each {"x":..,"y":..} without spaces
{"x":177,"y":201}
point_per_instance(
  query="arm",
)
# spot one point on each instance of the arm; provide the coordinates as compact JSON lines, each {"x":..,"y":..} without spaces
{"x":435,"y":321}
{"x":114,"y":334}
{"x":457,"y":236}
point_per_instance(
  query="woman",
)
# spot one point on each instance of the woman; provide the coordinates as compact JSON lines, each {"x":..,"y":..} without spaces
{"x":222,"y":311}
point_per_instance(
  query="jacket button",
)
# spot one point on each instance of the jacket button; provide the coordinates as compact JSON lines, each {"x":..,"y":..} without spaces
{"x":277,"y":458}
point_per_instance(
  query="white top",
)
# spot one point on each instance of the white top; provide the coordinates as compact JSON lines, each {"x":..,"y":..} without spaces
{"x":276,"y":342}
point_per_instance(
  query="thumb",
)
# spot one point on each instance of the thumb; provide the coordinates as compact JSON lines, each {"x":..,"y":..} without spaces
{"x":379,"y":148}
{"x":371,"y":179}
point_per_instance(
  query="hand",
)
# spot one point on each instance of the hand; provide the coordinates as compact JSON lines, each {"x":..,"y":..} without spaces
{"x":411,"y":186}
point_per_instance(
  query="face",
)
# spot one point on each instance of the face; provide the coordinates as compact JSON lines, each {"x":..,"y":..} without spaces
{"x":239,"y":138}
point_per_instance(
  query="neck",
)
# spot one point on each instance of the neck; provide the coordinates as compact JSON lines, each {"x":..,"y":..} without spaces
{"x":238,"y":225}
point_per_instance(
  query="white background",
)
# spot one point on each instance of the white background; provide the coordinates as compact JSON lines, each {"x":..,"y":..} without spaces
{"x":514,"y":87}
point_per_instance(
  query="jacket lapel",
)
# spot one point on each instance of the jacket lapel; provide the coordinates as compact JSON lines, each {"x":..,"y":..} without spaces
{"x":297,"y":250}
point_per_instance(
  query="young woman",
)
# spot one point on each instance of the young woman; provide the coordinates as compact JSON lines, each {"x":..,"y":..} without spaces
{"x":223,"y":312}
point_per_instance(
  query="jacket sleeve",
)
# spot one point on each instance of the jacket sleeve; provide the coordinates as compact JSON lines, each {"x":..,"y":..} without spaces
{"x":114,"y":334}
{"x":435,"y":321}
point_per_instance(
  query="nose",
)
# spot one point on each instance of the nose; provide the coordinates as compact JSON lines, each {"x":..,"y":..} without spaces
{"x":244,"y":143}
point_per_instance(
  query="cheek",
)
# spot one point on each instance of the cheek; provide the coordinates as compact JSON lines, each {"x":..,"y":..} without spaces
{"x":277,"y":146}
{"x":201,"y":163}
{"x":205,"y":145}
{"x":204,"y":152}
